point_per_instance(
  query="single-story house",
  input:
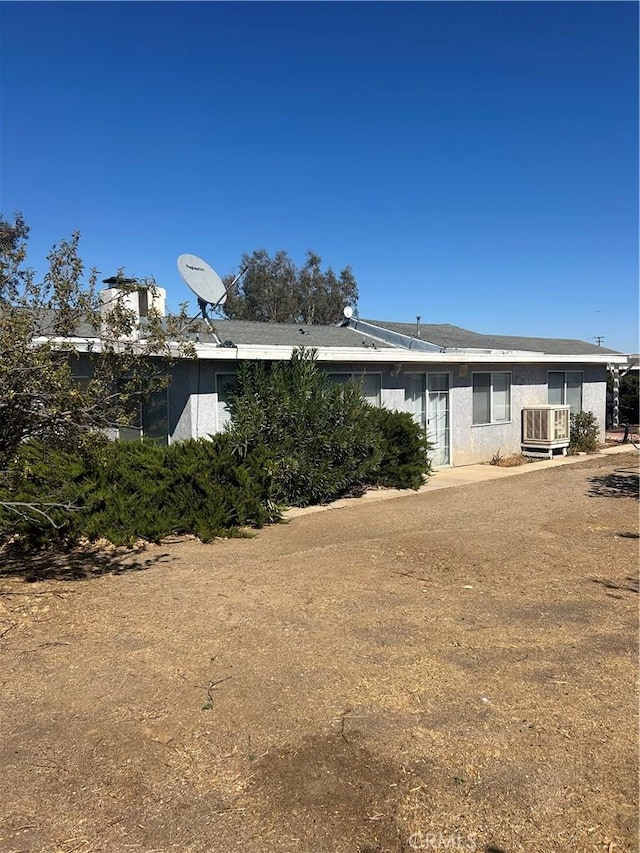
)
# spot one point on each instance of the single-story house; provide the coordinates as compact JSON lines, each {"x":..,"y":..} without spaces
{"x":467,"y":390}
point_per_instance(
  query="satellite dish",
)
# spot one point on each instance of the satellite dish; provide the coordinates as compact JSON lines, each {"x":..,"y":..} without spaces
{"x":203,"y":280}
{"x":348,"y":312}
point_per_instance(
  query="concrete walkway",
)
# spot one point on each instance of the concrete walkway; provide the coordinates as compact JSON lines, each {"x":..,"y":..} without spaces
{"x":446,"y":478}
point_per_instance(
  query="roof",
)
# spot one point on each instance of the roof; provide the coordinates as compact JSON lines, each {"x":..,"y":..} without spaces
{"x":442,"y":335}
{"x":254,"y":332}
{"x":375,"y":335}
{"x":455,"y":337}
{"x":289,"y":335}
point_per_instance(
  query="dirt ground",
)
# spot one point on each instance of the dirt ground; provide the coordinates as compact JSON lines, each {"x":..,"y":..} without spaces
{"x":452,"y":670}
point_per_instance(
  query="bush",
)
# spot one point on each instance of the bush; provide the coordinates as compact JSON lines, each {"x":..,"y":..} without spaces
{"x":295,"y":439}
{"x":404,"y":463}
{"x":124,"y":491}
{"x":513,"y":460}
{"x":629,"y":399}
{"x":322,"y":440}
{"x":319,"y":438}
{"x":584,"y":433}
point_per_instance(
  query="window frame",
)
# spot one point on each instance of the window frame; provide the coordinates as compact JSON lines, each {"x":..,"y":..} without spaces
{"x":220,"y":422}
{"x":492,"y":419}
{"x":352,"y":376}
{"x":564,"y":402}
{"x":137,"y":433}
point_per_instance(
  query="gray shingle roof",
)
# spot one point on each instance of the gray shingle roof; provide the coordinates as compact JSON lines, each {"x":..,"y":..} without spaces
{"x":289,"y":335}
{"x":447,"y":336}
{"x":441,"y":335}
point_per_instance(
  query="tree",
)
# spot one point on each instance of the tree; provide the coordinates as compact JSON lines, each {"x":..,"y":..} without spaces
{"x":40,"y":348}
{"x":267,"y":291}
{"x":629,"y":399}
{"x":319,"y":440}
{"x":274,"y":290}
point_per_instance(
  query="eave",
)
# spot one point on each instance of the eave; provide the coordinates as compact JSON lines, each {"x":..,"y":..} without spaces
{"x":369,"y":355}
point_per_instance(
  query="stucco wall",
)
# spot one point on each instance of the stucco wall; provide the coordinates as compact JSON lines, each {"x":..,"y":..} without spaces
{"x":594,"y":393}
{"x":193,"y":402}
{"x":193,"y":399}
{"x":471,"y":444}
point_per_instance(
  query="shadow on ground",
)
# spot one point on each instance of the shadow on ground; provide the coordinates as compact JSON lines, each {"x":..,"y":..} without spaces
{"x":629,"y":584}
{"x":622,"y":483}
{"x":73,"y":564}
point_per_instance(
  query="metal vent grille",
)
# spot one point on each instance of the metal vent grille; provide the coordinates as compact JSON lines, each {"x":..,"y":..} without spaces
{"x":561,"y":424}
{"x":545,"y":425}
{"x":536,"y":425}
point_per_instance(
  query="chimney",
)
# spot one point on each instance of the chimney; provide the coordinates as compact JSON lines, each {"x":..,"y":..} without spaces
{"x":135,"y":298}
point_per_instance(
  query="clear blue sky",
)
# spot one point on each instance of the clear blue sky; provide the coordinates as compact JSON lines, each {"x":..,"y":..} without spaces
{"x":474,"y":163}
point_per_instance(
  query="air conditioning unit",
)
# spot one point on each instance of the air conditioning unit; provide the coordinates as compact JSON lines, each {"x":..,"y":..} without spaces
{"x":545,"y":429}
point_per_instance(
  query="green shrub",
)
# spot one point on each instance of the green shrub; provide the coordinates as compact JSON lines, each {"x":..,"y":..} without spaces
{"x":47,"y":487}
{"x":629,"y":399}
{"x":584,"y":433}
{"x":124,"y":491}
{"x":295,"y":439}
{"x":405,"y":460}
{"x":322,"y":440}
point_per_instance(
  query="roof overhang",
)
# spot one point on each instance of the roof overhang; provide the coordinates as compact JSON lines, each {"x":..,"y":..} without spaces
{"x":248,"y":352}
{"x":253,"y":352}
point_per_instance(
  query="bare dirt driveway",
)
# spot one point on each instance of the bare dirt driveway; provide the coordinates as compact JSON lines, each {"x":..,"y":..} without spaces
{"x":451,"y":670}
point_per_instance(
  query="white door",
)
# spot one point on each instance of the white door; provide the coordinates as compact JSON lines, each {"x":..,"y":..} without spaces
{"x":438,"y":418}
{"x":426,"y":397}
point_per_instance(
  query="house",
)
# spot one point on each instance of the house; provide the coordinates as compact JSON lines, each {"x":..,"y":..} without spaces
{"x":467,"y":390}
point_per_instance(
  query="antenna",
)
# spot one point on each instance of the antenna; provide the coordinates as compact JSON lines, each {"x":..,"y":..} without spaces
{"x":205,"y":282}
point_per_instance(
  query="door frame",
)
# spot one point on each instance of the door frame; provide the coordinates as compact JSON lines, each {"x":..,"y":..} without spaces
{"x":425,"y":404}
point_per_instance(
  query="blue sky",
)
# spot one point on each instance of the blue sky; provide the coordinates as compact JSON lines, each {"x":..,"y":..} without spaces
{"x":474,"y":163}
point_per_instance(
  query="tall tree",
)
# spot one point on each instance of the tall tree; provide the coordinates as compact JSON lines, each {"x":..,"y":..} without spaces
{"x":323,"y":295}
{"x":274,"y":290}
{"x":267,"y":291}
{"x":39,"y":395}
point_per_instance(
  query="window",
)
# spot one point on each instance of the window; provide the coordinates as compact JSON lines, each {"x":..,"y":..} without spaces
{"x":225,"y":385}
{"x":371,"y":388}
{"x":155,"y":417}
{"x":491,"y":398}
{"x":339,"y":378}
{"x":149,"y":418}
{"x":565,"y":388}
{"x":146,"y":414}
{"x":370,"y":383}
{"x":81,"y":382}
{"x":415,"y":385}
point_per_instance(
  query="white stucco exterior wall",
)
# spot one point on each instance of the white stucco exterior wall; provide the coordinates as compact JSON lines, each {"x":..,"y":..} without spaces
{"x":193,"y":401}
